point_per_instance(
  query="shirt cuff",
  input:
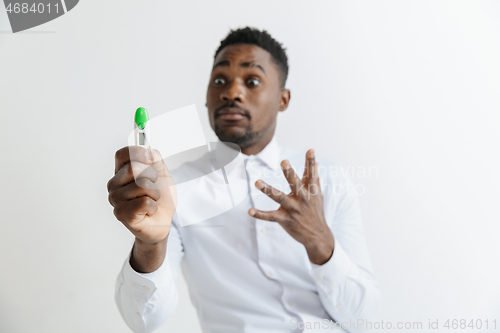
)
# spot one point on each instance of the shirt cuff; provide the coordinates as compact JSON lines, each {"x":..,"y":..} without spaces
{"x":144,"y":285}
{"x":335,"y":270}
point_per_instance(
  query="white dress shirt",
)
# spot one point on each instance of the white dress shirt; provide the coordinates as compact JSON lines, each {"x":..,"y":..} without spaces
{"x":250,"y":275}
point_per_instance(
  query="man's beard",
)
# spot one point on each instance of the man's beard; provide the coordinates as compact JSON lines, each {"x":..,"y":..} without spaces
{"x":242,"y":140}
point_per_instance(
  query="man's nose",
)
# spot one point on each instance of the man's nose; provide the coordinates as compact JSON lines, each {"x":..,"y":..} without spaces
{"x":234,"y":92}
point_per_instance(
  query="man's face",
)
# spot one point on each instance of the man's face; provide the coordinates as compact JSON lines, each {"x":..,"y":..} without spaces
{"x":244,"y":95}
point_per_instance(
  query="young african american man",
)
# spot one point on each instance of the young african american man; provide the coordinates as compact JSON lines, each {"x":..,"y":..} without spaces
{"x":290,"y":257}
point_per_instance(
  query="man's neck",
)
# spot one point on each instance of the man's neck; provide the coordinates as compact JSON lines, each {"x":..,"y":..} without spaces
{"x":258,"y":146}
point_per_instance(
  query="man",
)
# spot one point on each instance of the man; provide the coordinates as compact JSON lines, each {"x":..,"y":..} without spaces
{"x":291,"y":257}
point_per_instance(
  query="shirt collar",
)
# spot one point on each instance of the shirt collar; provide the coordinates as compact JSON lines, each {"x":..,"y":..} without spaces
{"x":270,"y":155}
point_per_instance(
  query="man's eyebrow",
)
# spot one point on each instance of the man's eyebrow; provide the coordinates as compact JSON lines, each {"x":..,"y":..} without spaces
{"x":252,"y":64}
{"x":244,"y":64}
{"x":221,"y":63}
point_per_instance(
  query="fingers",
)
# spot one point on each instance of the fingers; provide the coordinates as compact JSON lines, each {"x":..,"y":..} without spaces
{"x":134,"y":210}
{"x":158,"y":164}
{"x":292,"y":178}
{"x":273,"y":216}
{"x":135,"y":153}
{"x":142,"y":187}
{"x":132,"y":153}
{"x":273,"y":193}
{"x":315,"y":187}
{"x":310,"y":171}
{"x":130,"y":172}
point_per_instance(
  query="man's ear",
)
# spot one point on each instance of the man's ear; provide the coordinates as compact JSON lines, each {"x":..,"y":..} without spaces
{"x":284,"y":99}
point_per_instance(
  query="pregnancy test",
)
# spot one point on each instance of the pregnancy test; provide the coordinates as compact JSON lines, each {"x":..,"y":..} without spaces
{"x":141,"y":127}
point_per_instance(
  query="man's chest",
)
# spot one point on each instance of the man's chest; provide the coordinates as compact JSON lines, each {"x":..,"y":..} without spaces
{"x":236,"y":243}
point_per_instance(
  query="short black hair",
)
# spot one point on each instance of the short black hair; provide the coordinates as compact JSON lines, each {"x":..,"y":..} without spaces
{"x":263,"y":40}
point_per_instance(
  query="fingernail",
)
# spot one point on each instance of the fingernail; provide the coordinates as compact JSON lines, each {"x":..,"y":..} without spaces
{"x":252,"y":212}
{"x":312,"y":153}
{"x":149,"y":155}
{"x":286,"y":166}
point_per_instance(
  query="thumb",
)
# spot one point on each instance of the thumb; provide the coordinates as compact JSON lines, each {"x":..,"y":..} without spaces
{"x":165,"y":181}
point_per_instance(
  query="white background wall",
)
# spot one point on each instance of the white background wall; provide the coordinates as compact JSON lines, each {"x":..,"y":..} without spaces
{"x":410,"y":87}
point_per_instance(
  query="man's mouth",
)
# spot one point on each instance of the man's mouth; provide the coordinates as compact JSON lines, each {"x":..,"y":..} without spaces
{"x":231,"y":113}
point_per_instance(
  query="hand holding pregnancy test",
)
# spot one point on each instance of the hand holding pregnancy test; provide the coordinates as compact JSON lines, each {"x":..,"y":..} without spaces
{"x":142,"y":191}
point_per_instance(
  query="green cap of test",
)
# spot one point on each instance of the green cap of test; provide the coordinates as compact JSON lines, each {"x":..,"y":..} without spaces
{"x":141,"y":117}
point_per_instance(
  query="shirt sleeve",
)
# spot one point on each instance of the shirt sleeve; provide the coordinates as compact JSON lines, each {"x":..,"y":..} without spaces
{"x":146,"y":300}
{"x":346,"y":283}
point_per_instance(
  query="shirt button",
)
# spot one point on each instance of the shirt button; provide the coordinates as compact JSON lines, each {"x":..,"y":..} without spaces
{"x":270,"y":273}
{"x":146,"y":288}
{"x":321,"y":277}
{"x":138,"y":314}
{"x":263,"y":230}
{"x":290,"y":303}
{"x":338,"y":306}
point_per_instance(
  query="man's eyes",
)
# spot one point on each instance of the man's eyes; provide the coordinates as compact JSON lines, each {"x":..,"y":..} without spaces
{"x":219,"y":81}
{"x":253,"y":82}
{"x":250,"y":82}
